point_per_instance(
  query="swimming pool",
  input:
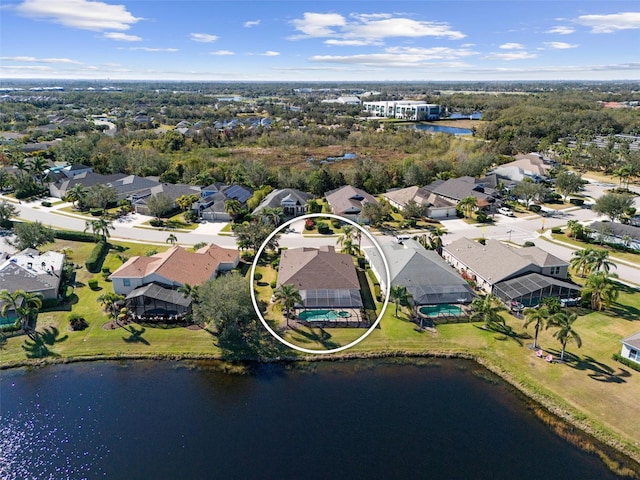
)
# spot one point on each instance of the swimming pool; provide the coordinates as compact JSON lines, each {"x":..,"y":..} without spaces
{"x":444,"y":309}
{"x":322,"y":315}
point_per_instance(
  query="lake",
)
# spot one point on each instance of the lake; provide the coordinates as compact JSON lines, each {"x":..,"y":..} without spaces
{"x":157,"y":420}
{"x":443,"y":129}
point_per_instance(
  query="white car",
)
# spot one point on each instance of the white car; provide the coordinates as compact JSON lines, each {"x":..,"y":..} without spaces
{"x":505,"y":211}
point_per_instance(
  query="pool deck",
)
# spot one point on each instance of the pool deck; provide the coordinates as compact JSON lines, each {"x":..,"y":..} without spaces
{"x":355,"y":320}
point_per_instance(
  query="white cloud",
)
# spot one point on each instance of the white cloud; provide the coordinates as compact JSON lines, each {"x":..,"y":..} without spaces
{"x":561,"y":30}
{"x":560,"y":45}
{"x":222,"y":53}
{"x":40,"y":60}
{"x":269,"y":53}
{"x":203,"y":37}
{"x":82,"y":14}
{"x":611,"y":23}
{"x":151,"y":49}
{"x":251,"y":23}
{"x":510,"y":56}
{"x":369,"y":27}
{"x":122,"y":37}
{"x":511,"y":46}
{"x":351,"y":43}
{"x":399,"y":56}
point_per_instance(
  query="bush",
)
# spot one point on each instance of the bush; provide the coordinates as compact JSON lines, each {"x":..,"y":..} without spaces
{"x":556,"y":230}
{"x":625,"y":361}
{"x":77,"y":322}
{"x":361,"y":262}
{"x":529,"y":243}
{"x":12,"y":327}
{"x":156,"y":222}
{"x":535,"y":208}
{"x":335,"y":223}
{"x":74,"y":236}
{"x":275,"y":263}
{"x":257,"y":276}
{"x":273,"y":284}
{"x":482,"y":217}
{"x":96,"y":212}
{"x":376,"y":292}
{"x":323,"y":228}
{"x":576,"y":201}
{"x":93,"y":284}
{"x":309,"y":224}
{"x":94,"y":262}
{"x":44,"y":203}
{"x":190,"y":216}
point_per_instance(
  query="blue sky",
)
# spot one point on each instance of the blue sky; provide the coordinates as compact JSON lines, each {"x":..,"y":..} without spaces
{"x":390,"y":40}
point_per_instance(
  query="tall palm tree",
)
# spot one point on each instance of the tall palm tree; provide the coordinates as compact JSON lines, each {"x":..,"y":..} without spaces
{"x":599,"y":261}
{"x":109,"y":302}
{"x":580,"y":261}
{"x":468,"y":205}
{"x":189,"y":291}
{"x":565,"y":332}
{"x":21,"y":165}
{"x":346,"y":240}
{"x":288,"y":296}
{"x":487,"y":310}
{"x":435,"y":239}
{"x":100,"y":228}
{"x":25,"y":304}
{"x":272,"y":216}
{"x":601,"y":290}
{"x":75,"y":194}
{"x":399,"y":295}
{"x":172,"y":239}
{"x":37,"y":166}
{"x":537,"y":316}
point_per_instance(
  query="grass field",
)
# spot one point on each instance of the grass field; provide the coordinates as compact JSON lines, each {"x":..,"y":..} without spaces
{"x":591,"y":389}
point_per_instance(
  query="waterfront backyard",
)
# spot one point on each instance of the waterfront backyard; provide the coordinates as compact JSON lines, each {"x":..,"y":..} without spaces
{"x":591,"y":389}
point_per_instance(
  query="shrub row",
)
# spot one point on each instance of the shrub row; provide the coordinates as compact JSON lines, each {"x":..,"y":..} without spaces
{"x":94,"y":262}
{"x":625,"y":361}
{"x":74,"y":236}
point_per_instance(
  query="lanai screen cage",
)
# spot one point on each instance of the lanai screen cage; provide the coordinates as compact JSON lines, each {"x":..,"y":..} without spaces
{"x":530,"y":289}
{"x":331,"y":298}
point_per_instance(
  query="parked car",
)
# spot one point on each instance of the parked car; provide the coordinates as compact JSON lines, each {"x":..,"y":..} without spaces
{"x":505,"y":211}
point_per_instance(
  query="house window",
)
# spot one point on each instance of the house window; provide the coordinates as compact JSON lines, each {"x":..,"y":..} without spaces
{"x":126,"y":282}
{"x":633,"y":355}
{"x":555,"y":271}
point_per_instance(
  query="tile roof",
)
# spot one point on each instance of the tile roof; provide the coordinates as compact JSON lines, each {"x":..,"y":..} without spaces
{"x":178,"y":264}
{"x":348,"y":199}
{"x":312,"y":268}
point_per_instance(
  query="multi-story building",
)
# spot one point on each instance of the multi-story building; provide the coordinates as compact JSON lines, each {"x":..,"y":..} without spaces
{"x":403,"y":109}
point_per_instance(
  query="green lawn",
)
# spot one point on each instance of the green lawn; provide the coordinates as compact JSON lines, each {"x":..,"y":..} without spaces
{"x":613,"y":252}
{"x":591,"y":389}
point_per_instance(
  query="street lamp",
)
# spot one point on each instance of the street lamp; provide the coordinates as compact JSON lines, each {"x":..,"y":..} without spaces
{"x":509,"y":232}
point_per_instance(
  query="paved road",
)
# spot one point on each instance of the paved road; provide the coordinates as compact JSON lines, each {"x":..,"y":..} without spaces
{"x":517,"y":230}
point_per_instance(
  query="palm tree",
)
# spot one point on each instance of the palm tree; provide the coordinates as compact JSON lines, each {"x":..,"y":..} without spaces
{"x":580,"y":261}
{"x":346,"y":240}
{"x":37,"y":166}
{"x":233,"y":209}
{"x":565,"y":332}
{"x":172,"y":239}
{"x":100,"y":228}
{"x":272,"y":216}
{"x":435,"y":239}
{"x":575,"y":229}
{"x":601,"y":290}
{"x":624,"y":173}
{"x":468,"y":205}
{"x":21,"y":165}
{"x":399,"y":295}
{"x":75,"y":194}
{"x":599,"y":261}
{"x":109,"y":302}
{"x":25,"y":304}
{"x":487,"y":311}
{"x":537,"y":316}
{"x":189,"y":291}
{"x":288,"y":296}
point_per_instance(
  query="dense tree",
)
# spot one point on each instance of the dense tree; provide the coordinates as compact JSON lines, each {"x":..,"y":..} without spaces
{"x":567,"y":183}
{"x":413,"y":209}
{"x":613,"y":205}
{"x":251,"y":236}
{"x":225,"y":303}
{"x":7,"y":211}
{"x":159,"y":204}
{"x":98,"y":196}
{"x":375,"y":213}
{"x":529,"y":191}
{"x":31,"y":235}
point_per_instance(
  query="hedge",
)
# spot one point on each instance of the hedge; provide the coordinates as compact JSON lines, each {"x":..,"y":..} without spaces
{"x":94,"y":262}
{"x":625,"y":361}
{"x":74,"y":236}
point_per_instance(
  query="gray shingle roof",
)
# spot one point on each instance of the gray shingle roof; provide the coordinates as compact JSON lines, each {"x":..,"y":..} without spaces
{"x":348,"y":199}
{"x":157,"y":292}
{"x":274,"y":199}
{"x":617,"y":229}
{"x":633,"y":340}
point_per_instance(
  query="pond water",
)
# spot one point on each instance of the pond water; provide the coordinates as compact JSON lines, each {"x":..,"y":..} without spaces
{"x":156,"y":420}
{"x":443,"y":129}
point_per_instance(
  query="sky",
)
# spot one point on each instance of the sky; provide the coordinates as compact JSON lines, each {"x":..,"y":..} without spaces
{"x":299,"y":40}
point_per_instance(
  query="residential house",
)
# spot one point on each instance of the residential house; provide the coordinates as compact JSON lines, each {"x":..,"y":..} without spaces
{"x":174,"y":268}
{"x":426,"y":276}
{"x":455,"y":189}
{"x":324,"y":278}
{"x":291,"y":200}
{"x":616,"y":233}
{"x":59,"y":188}
{"x":347,"y":201}
{"x":531,"y":166}
{"x":522,"y":275}
{"x":436,"y":206}
{"x":171,"y":190}
{"x":32,"y":271}
{"x":212,"y":204}
{"x":631,"y":348}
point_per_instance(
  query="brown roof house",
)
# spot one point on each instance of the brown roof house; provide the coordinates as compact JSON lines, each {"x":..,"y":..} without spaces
{"x":150,"y":283}
{"x":436,"y":206}
{"x":348,"y":201}
{"x":324,"y":278}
